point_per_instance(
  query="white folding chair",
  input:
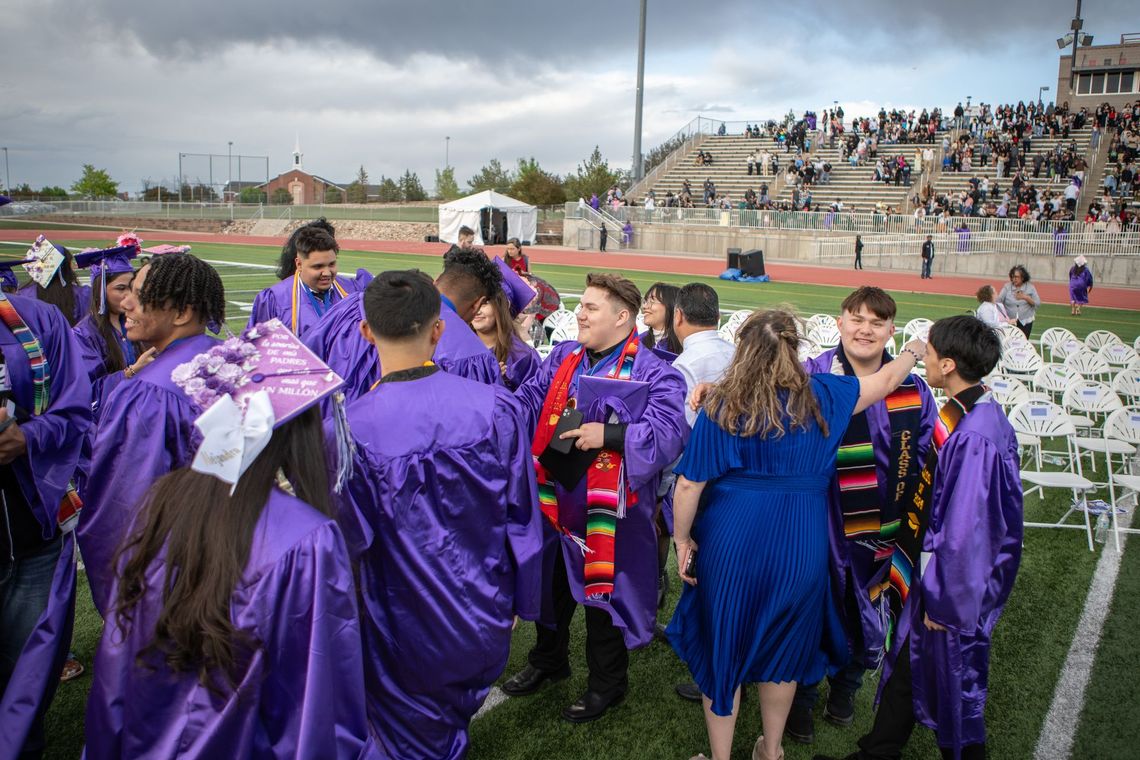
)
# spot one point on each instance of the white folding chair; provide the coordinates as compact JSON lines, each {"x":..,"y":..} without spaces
{"x":737,"y":318}
{"x":1052,"y":380}
{"x":1127,"y":385}
{"x":1136,"y":343}
{"x":826,"y":336}
{"x":544,"y":350}
{"x":821,"y":320}
{"x":809,"y":349}
{"x":1087,"y":403}
{"x":565,"y":331}
{"x":728,"y":331}
{"x":640,"y":324}
{"x":1055,"y":342}
{"x":1122,"y":427}
{"x":1117,"y":354}
{"x":1019,"y":359}
{"x":1008,"y":390}
{"x":1046,"y":420}
{"x":1088,"y":364}
{"x":559,"y":317}
{"x":916,"y":328}
{"x":1098,"y":338}
{"x":892,"y":346}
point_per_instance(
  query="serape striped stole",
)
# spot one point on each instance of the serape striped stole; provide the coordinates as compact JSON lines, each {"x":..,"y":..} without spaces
{"x":71,"y":505}
{"x":607,"y":492}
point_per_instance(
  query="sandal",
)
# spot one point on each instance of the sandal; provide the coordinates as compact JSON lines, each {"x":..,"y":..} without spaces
{"x":72,"y":669}
{"x":758,"y":751}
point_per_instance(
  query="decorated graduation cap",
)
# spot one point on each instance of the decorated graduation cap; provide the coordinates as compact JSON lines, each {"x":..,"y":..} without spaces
{"x":43,"y":261}
{"x":519,"y":293}
{"x":108,"y":262}
{"x":251,"y":384}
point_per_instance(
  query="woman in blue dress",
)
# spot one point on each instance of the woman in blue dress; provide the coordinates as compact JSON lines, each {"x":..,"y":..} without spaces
{"x":757,"y":608}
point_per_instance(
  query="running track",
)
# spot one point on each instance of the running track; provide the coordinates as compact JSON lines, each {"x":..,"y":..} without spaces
{"x":1051,"y":292}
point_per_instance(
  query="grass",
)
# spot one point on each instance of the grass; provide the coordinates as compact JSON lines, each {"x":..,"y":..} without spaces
{"x":1029,"y":647}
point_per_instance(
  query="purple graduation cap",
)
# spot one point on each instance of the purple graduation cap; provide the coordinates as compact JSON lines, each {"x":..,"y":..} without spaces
{"x":5,"y":200}
{"x":251,"y":384}
{"x":8,"y":281}
{"x":104,"y":262}
{"x":519,"y":293}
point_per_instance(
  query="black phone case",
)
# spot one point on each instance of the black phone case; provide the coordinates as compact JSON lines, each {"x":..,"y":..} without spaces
{"x":571,"y":419}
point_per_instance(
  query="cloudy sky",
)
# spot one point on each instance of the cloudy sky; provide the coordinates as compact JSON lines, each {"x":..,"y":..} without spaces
{"x":129,"y":84}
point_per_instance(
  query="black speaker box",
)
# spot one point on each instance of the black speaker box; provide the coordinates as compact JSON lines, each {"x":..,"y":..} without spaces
{"x":733,"y":258}
{"x":752,"y":263}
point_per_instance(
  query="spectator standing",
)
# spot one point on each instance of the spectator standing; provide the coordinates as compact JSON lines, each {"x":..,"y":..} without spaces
{"x":603,"y":234}
{"x":858,"y":251}
{"x":927,"y":257}
{"x":1020,"y":298}
{"x":1080,"y":284}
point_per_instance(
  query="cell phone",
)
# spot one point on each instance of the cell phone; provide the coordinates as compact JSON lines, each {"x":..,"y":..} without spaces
{"x":571,"y":419}
{"x":691,"y":564}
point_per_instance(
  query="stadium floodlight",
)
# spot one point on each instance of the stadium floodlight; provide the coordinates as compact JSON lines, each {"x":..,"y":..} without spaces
{"x":1086,"y":40}
{"x":1064,"y":42}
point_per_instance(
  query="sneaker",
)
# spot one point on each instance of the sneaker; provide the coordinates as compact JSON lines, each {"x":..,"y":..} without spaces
{"x":800,"y":726}
{"x":840,"y":709}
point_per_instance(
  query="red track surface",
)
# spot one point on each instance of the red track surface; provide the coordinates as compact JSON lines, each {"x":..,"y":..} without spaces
{"x":1051,"y":292}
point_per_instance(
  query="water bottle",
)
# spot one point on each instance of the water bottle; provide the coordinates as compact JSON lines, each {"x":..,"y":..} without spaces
{"x":1102,"y":527}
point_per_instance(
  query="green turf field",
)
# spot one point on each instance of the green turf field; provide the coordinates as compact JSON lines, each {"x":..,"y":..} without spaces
{"x":1029,"y":647}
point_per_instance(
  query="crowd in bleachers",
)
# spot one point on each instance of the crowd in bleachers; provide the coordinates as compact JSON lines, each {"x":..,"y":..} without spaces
{"x":1121,"y":128}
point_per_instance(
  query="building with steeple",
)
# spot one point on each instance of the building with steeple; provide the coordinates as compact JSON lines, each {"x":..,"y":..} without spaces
{"x":300,"y":186}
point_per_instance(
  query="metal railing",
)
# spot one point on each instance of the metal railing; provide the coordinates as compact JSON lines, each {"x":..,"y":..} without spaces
{"x":1026,"y":244}
{"x":836,"y":222}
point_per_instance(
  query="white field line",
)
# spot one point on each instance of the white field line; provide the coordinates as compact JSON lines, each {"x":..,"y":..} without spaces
{"x":1060,"y":728}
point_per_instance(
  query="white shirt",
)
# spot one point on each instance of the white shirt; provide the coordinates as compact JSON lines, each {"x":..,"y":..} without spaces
{"x":704,"y":358}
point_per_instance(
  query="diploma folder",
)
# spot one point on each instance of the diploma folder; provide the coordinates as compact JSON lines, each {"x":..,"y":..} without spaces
{"x":630,"y":395}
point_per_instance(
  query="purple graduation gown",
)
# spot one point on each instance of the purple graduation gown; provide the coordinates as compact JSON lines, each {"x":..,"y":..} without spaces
{"x":54,"y":440}
{"x":974,"y":545}
{"x":443,"y":520}
{"x":850,"y":559}
{"x":339,"y":344}
{"x":652,"y":444}
{"x":302,"y":693}
{"x":146,"y":429}
{"x":522,"y":362}
{"x":82,"y":299}
{"x":94,"y":351}
{"x":276,"y":302}
{"x":1079,"y":284}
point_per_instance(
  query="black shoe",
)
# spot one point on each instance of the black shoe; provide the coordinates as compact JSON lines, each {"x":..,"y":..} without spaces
{"x":591,"y":706}
{"x":530,"y":679}
{"x":662,"y":590}
{"x":689,"y":691}
{"x":800,"y":726}
{"x":840,"y":710}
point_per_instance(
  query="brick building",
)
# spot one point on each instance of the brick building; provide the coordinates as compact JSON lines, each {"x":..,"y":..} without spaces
{"x":302,"y":187}
{"x":1104,"y":74}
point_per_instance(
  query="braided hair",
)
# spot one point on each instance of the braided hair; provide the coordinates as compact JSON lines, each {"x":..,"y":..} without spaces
{"x":181,"y":280}
{"x":470,"y":275}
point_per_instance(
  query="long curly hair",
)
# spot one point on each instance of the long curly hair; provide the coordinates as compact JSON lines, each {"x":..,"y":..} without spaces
{"x":765,"y":391}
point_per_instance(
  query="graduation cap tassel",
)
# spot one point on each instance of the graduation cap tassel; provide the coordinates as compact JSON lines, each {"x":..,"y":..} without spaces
{"x":102,"y":290}
{"x":345,"y":448}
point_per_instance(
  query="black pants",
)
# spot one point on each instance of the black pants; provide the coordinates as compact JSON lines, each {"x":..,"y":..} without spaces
{"x":858,"y":259}
{"x":1025,"y":327}
{"x":894,"y":720}
{"x":606,"y":655}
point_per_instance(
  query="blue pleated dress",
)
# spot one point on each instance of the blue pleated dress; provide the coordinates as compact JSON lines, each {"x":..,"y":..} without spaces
{"x":762,"y":610}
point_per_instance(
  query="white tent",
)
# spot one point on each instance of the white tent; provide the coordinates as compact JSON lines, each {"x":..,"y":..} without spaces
{"x":521,"y":218}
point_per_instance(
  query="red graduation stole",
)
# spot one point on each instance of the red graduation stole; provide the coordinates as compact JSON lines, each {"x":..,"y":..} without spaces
{"x":603,"y":478}
{"x":70,"y":505}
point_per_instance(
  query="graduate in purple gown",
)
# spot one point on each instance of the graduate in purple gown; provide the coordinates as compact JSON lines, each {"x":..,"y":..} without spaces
{"x":468,"y":279}
{"x":495,"y":325}
{"x":102,"y":333}
{"x":310,"y":285}
{"x":1080,"y":284}
{"x":58,"y":286}
{"x":46,"y":410}
{"x":146,"y":425}
{"x":864,"y":500}
{"x":965,"y":550}
{"x":233,"y":629}
{"x":632,"y":427}
{"x":444,"y":525}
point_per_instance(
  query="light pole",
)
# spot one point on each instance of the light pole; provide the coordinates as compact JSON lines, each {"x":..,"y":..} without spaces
{"x":638,"y":164}
{"x":447,"y":152}
{"x":7,"y":176}
{"x":230,"y":167}
{"x":1039,"y":91}
{"x":180,"y":155}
